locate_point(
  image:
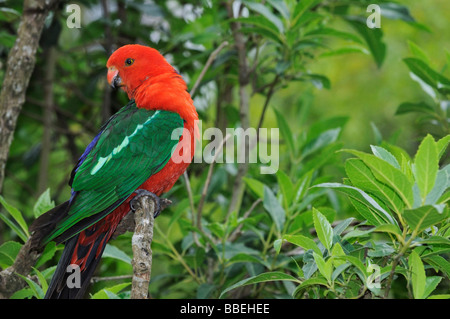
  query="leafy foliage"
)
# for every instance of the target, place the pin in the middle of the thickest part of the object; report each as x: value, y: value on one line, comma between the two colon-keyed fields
x: 367, y: 226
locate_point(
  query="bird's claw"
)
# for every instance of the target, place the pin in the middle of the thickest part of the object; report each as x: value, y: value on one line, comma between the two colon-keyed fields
x: 143, y: 192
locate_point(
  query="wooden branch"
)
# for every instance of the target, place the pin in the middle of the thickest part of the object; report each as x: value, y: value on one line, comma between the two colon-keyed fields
x: 25, y: 260
x: 19, y: 67
x: 244, y: 107
x: 141, y: 245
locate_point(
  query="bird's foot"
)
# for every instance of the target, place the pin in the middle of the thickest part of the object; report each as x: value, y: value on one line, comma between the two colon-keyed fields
x: 143, y: 192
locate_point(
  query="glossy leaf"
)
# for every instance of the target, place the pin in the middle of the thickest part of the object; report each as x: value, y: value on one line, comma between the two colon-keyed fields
x: 373, y: 38
x: 304, y: 242
x: 425, y: 216
x: 418, y: 277
x: 323, y: 229
x: 43, y: 204
x: 374, y: 213
x: 362, y: 177
x: 264, y: 277
x: 384, y: 154
x: 16, y: 214
x: 286, y: 132
x: 389, y: 175
x: 426, y: 165
x: 325, y: 267
x: 421, y: 107
x: 274, y: 208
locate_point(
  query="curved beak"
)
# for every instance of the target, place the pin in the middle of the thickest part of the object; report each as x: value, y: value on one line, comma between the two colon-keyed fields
x: 113, y: 78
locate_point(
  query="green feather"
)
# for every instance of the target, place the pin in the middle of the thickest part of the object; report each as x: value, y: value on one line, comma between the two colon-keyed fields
x: 135, y: 144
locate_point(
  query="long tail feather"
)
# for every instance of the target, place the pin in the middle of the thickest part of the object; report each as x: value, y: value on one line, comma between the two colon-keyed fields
x: 46, y: 223
x: 80, y: 258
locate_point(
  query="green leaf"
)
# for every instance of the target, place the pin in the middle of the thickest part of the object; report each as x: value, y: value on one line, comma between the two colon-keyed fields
x: 329, y: 32
x: 376, y: 132
x: 285, y: 132
x: 41, y: 279
x: 318, y: 80
x: 8, y: 14
x: 440, y: 185
x: 35, y: 288
x: 426, y: 165
x: 264, y: 277
x: 384, y: 154
x: 116, y: 253
x: 339, y: 228
x: 344, y: 50
x: 25, y: 293
x: 16, y: 214
x: 373, y: 38
x: 372, y: 211
x: 323, y: 229
x: 43, y: 204
x: 300, y: 9
x: 362, y: 177
x: 420, y: 107
x: 263, y: 26
x: 418, y: 52
x: 267, y: 13
x: 355, y: 262
x: 392, y: 10
x: 388, y: 228
x: 325, y: 267
x: 49, y: 251
x: 277, y: 245
x: 274, y: 208
x: 304, y: 242
x: 429, y: 76
x: 418, y: 278
x: 442, y: 296
x: 442, y: 145
x: 8, y: 253
x: 324, y: 139
x: 442, y: 200
x: 336, y: 252
x: 14, y: 227
x: 439, y: 262
x: 310, y: 282
x: 389, y: 175
x: 103, y: 294
x: 286, y: 187
x: 255, y: 186
x: 425, y: 216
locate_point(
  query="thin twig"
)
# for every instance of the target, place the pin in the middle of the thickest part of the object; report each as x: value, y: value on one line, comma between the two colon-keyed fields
x: 208, y: 181
x: 237, y: 231
x: 266, y: 103
x: 98, y: 279
x: 208, y: 63
x: 210, y: 60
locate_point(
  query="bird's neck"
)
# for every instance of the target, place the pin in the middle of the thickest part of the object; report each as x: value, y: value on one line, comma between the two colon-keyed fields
x: 166, y: 92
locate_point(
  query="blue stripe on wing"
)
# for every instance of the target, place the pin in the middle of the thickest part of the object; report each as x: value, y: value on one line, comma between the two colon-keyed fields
x: 80, y: 161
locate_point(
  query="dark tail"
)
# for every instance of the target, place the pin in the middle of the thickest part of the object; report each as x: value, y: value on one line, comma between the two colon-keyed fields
x: 81, y: 254
x: 78, y: 262
x: 46, y: 223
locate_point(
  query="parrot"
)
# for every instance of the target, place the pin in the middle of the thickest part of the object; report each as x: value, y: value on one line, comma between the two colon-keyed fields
x: 141, y: 150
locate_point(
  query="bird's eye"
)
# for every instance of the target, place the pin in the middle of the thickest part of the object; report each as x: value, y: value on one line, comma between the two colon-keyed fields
x: 129, y: 61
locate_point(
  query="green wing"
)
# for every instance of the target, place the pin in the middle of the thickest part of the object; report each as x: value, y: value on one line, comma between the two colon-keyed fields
x: 133, y: 145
